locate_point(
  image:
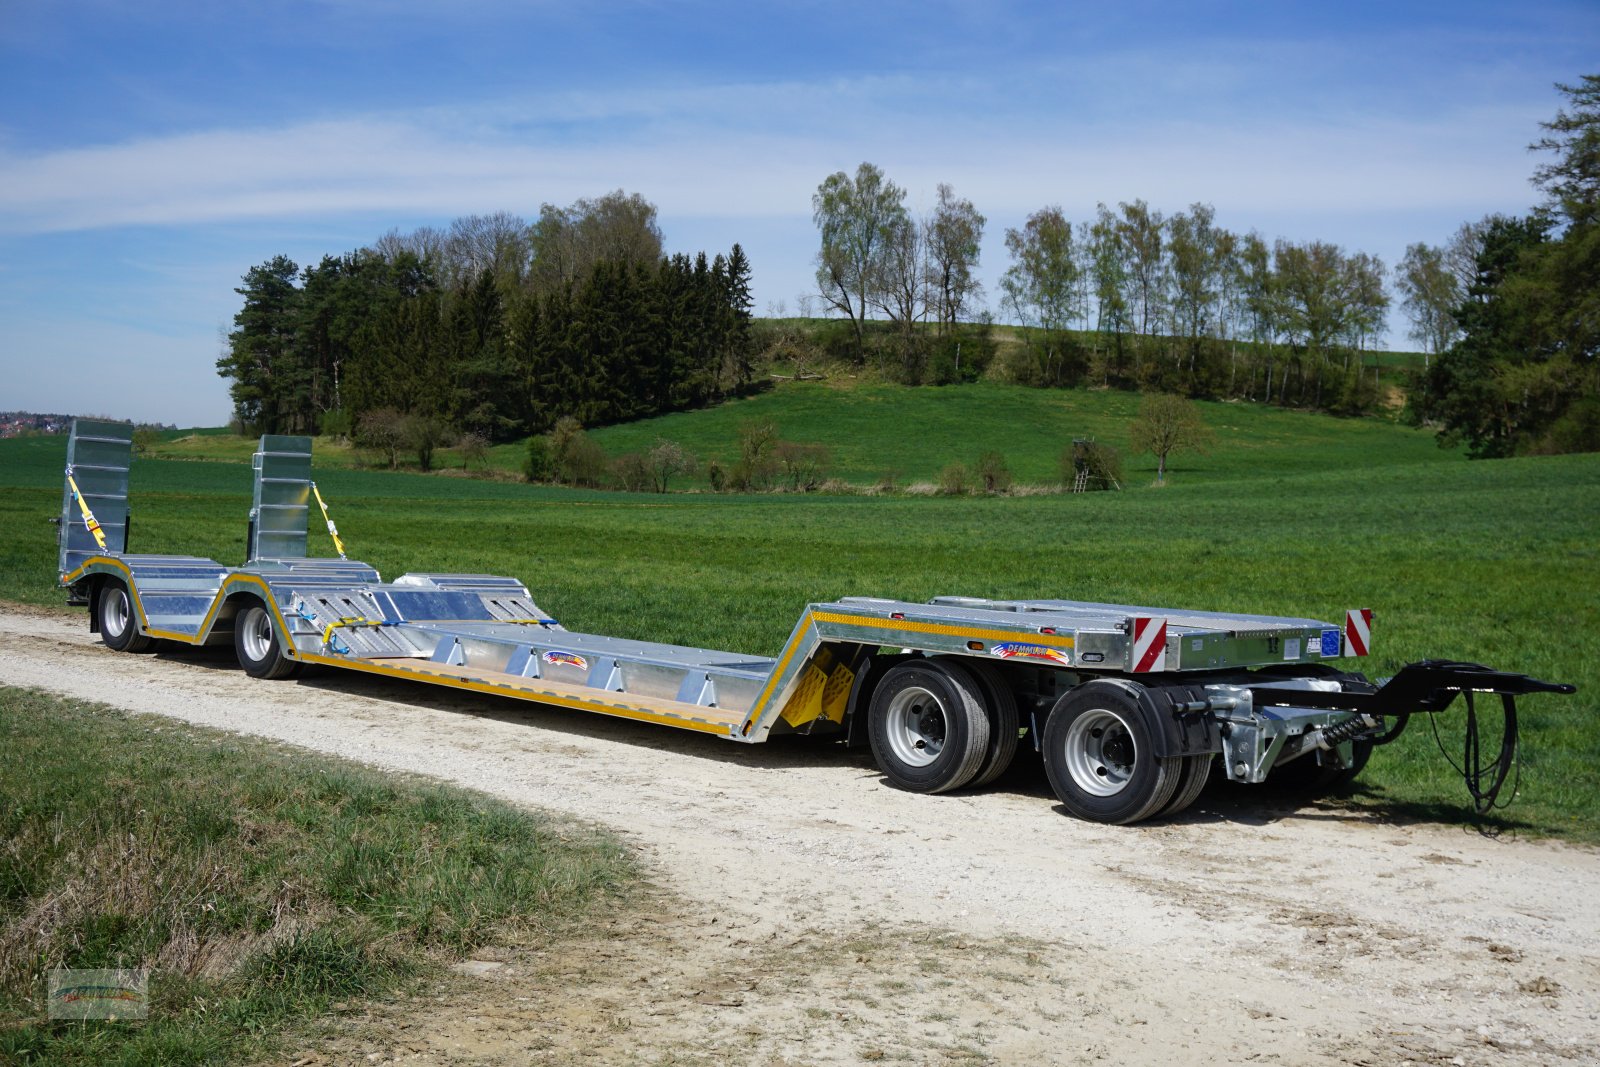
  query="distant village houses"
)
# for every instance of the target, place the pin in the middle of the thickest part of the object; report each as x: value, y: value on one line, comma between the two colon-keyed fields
x: 19, y: 423
x: 25, y: 423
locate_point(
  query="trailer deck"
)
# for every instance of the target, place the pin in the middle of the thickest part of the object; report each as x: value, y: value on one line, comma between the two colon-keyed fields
x: 991, y: 671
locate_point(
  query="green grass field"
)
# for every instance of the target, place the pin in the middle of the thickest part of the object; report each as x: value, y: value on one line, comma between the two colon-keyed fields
x: 877, y: 430
x: 874, y: 430
x: 1293, y: 514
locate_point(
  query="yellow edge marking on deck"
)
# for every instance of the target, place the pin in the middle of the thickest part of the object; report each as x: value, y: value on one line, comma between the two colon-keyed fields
x: 210, y: 617
x: 533, y: 695
x: 621, y: 711
x: 946, y: 630
x: 909, y: 625
x: 536, y: 696
x: 759, y: 707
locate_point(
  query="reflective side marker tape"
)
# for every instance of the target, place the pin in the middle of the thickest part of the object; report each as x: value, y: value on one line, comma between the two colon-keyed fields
x: 90, y: 523
x: 1149, y: 644
x: 1357, y: 631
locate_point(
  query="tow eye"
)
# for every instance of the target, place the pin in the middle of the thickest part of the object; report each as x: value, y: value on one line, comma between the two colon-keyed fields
x: 1430, y: 687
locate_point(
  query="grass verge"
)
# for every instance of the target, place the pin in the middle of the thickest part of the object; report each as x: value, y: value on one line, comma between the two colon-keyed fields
x: 260, y: 887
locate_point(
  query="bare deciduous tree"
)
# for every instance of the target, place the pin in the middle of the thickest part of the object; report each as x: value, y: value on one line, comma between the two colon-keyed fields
x: 857, y: 218
x: 1141, y: 231
x: 903, y: 286
x: 1043, y: 285
x: 566, y: 242
x: 1196, y: 270
x: 954, y: 235
x: 1430, y: 292
x: 426, y: 243
x: 1108, y: 271
x: 496, y: 243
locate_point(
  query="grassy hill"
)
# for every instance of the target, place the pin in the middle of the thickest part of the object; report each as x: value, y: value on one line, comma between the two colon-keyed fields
x: 1294, y: 514
x: 876, y: 430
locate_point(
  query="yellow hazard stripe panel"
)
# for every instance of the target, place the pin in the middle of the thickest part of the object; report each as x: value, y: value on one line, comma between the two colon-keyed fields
x: 623, y: 711
x: 946, y: 630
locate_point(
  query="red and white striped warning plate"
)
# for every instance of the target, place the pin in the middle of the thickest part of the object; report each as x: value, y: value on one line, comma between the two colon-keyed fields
x: 1149, y: 644
x: 1357, y: 631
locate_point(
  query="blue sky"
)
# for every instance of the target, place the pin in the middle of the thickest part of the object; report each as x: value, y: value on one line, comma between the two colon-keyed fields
x: 151, y: 153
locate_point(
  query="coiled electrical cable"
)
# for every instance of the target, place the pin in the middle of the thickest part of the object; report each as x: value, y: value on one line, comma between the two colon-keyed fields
x: 1485, y: 780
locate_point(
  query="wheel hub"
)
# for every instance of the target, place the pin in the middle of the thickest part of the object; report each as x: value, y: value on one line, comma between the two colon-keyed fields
x: 114, y: 619
x: 257, y: 631
x: 916, y: 726
x: 1101, y: 753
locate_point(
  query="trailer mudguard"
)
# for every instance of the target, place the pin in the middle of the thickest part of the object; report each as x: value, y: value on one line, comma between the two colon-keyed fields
x: 1176, y: 728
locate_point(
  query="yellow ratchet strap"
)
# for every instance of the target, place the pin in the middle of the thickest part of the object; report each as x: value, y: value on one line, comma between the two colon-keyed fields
x: 90, y: 523
x: 333, y: 531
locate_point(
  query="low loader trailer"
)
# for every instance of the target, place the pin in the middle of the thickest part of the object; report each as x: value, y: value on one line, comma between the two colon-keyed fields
x: 1133, y: 709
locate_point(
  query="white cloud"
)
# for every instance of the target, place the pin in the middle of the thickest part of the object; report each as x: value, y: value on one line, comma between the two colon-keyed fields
x: 760, y: 150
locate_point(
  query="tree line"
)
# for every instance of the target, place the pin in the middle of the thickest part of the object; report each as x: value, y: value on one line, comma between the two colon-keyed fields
x: 494, y: 327
x: 1130, y: 298
x: 1507, y: 312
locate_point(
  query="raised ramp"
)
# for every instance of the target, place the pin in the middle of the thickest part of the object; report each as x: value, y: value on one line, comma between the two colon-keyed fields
x: 282, y: 500
x: 98, y: 456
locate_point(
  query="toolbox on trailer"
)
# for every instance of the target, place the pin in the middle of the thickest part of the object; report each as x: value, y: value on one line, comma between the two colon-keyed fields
x: 1132, y: 707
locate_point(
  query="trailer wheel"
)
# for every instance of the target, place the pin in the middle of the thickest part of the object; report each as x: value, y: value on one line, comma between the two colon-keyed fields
x: 256, y: 643
x: 1192, y: 779
x: 118, y: 628
x: 1001, y: 707
x: 927, y: 725
x: 1100, y: 759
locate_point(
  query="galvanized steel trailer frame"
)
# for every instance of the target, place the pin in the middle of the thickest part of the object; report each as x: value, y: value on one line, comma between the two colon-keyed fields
x: 1143, y: 700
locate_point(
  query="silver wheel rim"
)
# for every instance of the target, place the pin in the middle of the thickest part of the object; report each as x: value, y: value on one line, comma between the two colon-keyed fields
x: 1101, y: 753
x: 257, y: 634
x: 917, y: 726
x: 114, y: 620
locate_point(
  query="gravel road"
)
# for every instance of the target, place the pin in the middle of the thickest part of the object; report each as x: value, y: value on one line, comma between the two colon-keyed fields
x: 811, y: 914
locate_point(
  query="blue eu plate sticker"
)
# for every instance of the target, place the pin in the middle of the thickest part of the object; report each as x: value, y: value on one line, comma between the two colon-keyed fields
x: 1330, y: 643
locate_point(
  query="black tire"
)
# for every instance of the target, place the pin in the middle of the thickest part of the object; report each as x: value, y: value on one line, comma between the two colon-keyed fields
x: 927, y: 726
x: 1001, y: 707
x: 256, y: 643
x: 114, y: 614
x: 1308, y: 778
x: 1100, y: 758
x: 1192, y: 779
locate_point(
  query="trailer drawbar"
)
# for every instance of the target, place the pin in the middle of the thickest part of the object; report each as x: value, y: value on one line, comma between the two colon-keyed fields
x: 1133, y: 709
